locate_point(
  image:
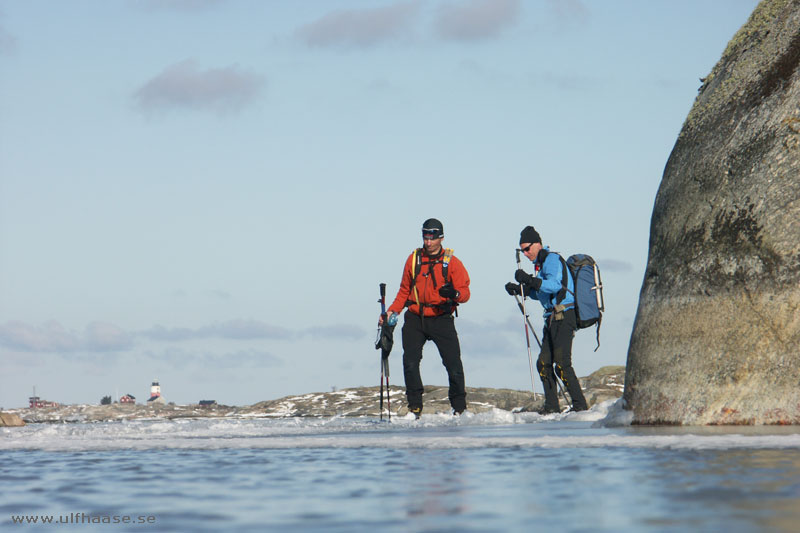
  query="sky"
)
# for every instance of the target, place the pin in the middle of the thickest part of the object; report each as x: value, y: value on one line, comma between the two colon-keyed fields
x: 209, y: 192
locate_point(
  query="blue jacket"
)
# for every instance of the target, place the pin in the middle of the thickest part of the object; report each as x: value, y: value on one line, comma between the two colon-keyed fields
x: 550, y: 272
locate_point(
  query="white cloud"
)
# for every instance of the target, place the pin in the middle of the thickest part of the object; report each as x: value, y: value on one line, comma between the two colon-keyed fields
x: 361, y: 27
x: 105, y: 337
x: 185, y: 86
x: 48, y: 337
x: 52, y: 337
x: 476, y: 19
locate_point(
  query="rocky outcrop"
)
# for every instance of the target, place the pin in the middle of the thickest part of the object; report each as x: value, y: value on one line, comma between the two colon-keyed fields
x: 604, y: 384
x: 10, y: 420
x: 716, y: 338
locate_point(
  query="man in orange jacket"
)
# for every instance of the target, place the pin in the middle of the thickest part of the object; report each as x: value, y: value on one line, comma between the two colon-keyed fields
x: 434, y: 283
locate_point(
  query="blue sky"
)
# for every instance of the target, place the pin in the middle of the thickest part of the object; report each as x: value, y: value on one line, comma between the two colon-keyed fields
x: 209, y: 192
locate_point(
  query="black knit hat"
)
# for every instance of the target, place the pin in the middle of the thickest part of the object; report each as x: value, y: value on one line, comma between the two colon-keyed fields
x: 529, y: 235
x: 433, y: 227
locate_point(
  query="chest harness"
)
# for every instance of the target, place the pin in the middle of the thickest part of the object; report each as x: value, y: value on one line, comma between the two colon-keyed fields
x: 417, y: 265
x: 557, y: 309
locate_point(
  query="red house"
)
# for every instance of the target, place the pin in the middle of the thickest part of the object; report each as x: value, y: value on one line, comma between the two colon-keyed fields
x: 128, y: 398
x: 35, y: 402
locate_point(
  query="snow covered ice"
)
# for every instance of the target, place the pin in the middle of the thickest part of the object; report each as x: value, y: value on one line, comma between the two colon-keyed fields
x: 604, y: 425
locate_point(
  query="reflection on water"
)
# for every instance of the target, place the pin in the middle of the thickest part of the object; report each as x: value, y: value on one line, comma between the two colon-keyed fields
x: 750, y: 489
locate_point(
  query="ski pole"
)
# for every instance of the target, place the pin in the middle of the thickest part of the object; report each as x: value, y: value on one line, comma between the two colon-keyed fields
x: 383, y: 334
x: 525, y: 323
x: 382, y: 301
x: 385, y: 363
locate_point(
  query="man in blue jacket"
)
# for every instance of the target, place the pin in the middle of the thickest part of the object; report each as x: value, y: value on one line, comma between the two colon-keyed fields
x: 558, y: 300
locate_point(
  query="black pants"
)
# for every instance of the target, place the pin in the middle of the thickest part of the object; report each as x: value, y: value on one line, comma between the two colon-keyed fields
x: 442, y: 331
x: 556, y: 357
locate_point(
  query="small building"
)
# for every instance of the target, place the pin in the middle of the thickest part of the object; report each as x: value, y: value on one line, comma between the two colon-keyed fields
x: 35, y: 403
x: 128, y: 398
x: 208, y: 403
x: 155, y: 393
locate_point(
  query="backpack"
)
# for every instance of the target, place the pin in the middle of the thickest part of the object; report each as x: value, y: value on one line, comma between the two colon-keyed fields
x: 589, y: 303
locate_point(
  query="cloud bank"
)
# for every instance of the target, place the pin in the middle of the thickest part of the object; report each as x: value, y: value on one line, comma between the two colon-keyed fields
x: 105, y: 337
x: 52, y: 337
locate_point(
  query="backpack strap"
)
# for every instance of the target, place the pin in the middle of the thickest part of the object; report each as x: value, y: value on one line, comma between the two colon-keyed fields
x: 597, y: 331
x: 560, y: 295
x: 448, y: 254
x: 416, y: 263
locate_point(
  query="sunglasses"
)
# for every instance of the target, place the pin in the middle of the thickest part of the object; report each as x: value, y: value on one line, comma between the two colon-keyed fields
x: 430, y: 237
x: 525, y: 250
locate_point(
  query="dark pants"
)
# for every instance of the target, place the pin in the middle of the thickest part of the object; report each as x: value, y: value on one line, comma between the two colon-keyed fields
x: 442, y: 331
x: 556, y: 359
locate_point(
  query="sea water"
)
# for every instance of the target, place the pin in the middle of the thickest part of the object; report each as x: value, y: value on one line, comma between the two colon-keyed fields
x: 495, y: 471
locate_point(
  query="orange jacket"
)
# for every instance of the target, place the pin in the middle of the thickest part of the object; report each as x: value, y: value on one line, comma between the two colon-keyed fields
x: 427, y: 286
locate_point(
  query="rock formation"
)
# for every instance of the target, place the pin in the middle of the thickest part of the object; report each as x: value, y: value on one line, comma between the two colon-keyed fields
x: 10, y: 420
x: 717, y: 333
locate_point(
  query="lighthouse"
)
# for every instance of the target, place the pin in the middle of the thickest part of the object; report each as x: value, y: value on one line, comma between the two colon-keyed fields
x: 155, y: 393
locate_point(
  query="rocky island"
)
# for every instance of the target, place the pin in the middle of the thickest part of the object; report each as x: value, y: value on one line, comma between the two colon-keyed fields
x: 603, y: 384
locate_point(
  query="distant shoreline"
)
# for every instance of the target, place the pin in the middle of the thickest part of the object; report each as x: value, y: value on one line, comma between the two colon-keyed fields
x: 603, y: 384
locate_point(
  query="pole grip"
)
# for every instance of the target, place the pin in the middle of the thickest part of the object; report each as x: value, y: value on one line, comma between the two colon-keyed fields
x: 383, y: 299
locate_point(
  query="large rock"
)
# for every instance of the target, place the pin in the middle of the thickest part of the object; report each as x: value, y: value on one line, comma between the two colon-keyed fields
x: 717, y: 334
x: 10, y: 420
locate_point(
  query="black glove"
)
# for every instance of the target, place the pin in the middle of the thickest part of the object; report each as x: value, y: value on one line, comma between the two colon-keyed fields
x: 516, y: 289
x: 448, y: 291
x: 532, y: 282
x: 513, y: 289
